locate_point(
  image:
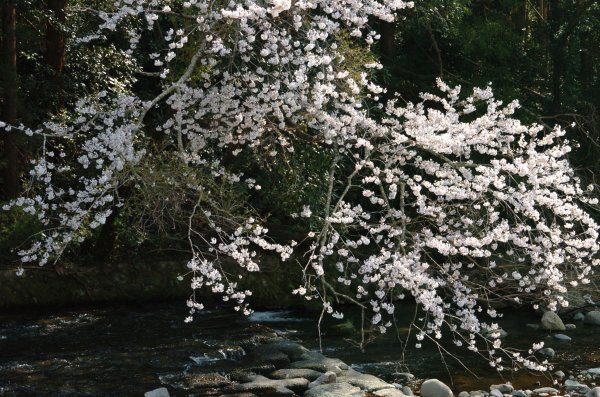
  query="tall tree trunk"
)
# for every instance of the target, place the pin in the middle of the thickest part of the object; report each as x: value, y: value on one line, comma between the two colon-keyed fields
x: 55, y: 36
x: 557, y: 55
x: 387, y: 42
x: 10, y: 92
x: 387, y: 50
x: 586, y: 73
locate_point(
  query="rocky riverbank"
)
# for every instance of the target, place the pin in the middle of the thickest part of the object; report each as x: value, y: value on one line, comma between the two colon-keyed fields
x: 270, y: 365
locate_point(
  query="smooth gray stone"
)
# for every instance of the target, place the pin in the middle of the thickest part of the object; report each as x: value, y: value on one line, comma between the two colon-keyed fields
x: 160, y: 392
x: 552, y: 322
x: 572, y: 385
x: 547, y: 351
x: 592, y: 317
x: 562, y: 338
x: 547, y: 390
x: 503, y: 388
x: 496, y: 393
x: 389, y: 393
x: 464, y: 394
x: 519, y: 393
x: 287, y: 373
x: 595, y: 392
x: 593, y: 371
x: 327, y: 377
x: 364, y: 381
x: 559, y: 374
x: 570, y: 326
x: 319, y: 362
x: 259, y: 383
x: 335, y: 390
x: 435, y: 388
x: 407, y: 390
x: 579, y: 317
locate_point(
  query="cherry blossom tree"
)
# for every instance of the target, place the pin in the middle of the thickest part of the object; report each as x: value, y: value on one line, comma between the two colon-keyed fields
x: 451, y: 200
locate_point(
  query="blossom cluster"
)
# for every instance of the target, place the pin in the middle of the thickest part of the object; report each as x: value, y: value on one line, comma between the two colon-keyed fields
x: 451, y: 200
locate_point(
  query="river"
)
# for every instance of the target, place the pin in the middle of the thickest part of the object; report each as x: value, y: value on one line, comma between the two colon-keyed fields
x: 127, y: 350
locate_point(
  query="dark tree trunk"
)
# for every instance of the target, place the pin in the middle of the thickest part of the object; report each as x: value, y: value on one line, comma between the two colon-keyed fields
x: 586, y: 73
x: 387, y: 51
x: 105, y: 244
x: 55, y: 36
x: 557, y: 55
x: 387, y: 42
x: 10, y: 91
x: 520, y: 19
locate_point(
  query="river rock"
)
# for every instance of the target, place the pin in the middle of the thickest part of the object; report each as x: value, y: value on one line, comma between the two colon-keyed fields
x: 559, y: 374
x: 435, y: 388
x: 551, y: 322
x: 547, y: 352
x: 503, y: 388
x: 327, y: 377
x: 562, y: 338
x: 533, y: 326
x: 207, y: 380
x: 404, y: 376
x: 496, y: 393
x: 593, y: 371
x: 573, y: 385
x: 364, y: 381
x: 592, y: 317
x: 407, y: 391
x: 318, y: 362
x: 570, y: 326
x: 279, y: 353
x: 464, y: 394
x: 389, y: 393
x: 335, y: 390
x: 519, y: 393
x: 160, y: 392
x: 595, y: 392
x: 294, y: 350
x: 235, y: 353
x: 579, y: 317
x: 259, y: 383
x: 546, y: 390
x: 287, y: 373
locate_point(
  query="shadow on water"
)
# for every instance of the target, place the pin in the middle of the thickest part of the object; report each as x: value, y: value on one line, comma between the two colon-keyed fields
x: 124, y: 350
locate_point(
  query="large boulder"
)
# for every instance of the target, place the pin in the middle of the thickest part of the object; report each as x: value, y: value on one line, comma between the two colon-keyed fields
x: 318, y: 362
x: 592, y: 317
x: 366, y: 382
x: 287, y: 373
x: 327, y: 377
x: 261, y: 384
x: 551, y: 322
x: 335, y: 390
x: 435, y: 388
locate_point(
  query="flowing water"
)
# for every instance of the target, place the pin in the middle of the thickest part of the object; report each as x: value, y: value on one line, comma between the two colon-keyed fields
x: 125, y: 351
